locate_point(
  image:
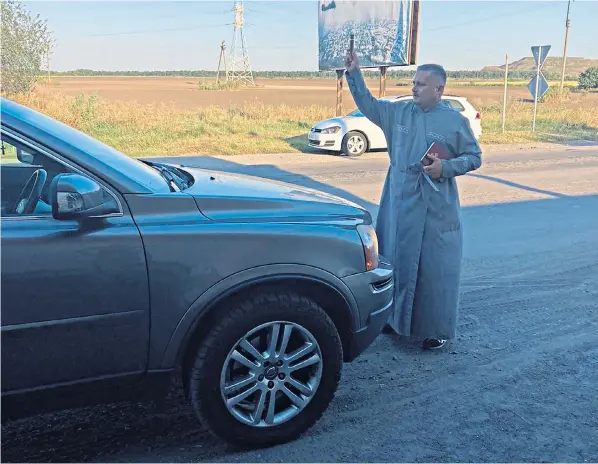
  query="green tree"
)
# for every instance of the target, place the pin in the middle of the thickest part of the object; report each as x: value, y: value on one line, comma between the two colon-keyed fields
x: 589, y: 78
x: 26, y: 47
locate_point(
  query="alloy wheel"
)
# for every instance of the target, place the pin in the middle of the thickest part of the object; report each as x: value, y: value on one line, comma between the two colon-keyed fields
x: 271, y: 374
x: 355, y: 144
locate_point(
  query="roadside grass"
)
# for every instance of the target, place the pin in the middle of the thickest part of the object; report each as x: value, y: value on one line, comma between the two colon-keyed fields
x: 162, y: 129
x: 560, y: 118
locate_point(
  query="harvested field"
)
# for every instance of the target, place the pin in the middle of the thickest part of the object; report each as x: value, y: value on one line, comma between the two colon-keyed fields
x: 185, y: 94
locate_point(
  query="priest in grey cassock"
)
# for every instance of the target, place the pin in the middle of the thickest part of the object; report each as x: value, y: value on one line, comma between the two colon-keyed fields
x: 419, y: 219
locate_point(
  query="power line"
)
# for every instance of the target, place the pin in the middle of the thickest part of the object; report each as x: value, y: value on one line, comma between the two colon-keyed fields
x: 488, y: 18
x: 151, y: 31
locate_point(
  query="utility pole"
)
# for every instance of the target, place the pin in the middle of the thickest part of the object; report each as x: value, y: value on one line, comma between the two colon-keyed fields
x: 504, y: 103
x: 567, y: 25
x: 222, y: 56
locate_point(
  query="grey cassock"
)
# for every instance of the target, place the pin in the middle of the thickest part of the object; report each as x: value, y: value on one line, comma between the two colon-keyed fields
x: 418, y: 226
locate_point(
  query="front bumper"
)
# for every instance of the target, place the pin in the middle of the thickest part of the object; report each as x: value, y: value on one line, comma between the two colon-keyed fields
x: 374, y: 293
x: 325, y: 141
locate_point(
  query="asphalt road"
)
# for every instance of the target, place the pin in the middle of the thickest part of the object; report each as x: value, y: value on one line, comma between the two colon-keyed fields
x: 520, y: 383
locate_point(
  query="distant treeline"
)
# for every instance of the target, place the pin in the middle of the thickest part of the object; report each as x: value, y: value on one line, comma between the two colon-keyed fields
x: 391, y: 74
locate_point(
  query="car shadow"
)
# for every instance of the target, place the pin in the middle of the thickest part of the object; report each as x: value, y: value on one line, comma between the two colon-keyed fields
x: 170, y: 432
x: 299, y: 142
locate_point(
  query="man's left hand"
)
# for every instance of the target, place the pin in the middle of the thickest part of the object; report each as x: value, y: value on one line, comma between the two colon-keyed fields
x: 434, y: 170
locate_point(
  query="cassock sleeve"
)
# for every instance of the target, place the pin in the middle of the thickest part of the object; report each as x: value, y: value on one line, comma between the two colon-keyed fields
x: 380, y: 112
x: 469, y: 156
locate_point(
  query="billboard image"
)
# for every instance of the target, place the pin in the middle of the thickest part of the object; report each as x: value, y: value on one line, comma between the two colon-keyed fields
x: 382, y: 32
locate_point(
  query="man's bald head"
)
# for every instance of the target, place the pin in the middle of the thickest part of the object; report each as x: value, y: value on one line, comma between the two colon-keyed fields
x: 428, y: 85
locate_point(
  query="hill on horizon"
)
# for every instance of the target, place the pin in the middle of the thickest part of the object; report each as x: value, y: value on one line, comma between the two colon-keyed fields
x: 574, y: 67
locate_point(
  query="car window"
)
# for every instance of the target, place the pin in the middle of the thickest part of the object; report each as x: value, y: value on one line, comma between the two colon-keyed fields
x: 19, y: 168
x: 455, y: 104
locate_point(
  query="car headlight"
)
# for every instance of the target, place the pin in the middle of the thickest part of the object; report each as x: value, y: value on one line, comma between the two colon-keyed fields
x: 369, y: 239
x: 331, y: 130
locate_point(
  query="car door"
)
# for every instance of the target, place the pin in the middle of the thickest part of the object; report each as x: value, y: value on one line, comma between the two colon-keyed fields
x: 75, y: 303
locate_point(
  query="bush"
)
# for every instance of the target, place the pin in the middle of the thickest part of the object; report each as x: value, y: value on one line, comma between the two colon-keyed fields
x: 589, y: 78
x: 556, y: 95
x: 26, y: 43
x: 222, y: 85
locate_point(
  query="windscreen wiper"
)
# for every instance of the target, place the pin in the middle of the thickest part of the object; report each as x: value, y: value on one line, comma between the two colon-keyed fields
x: 167, y: 175
x: 170, y: 179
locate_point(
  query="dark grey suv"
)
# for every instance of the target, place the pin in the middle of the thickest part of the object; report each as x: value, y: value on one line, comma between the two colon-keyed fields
x: 117, y: 273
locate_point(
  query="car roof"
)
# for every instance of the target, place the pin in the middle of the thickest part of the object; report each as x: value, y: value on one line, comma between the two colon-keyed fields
x: 445, y: 96
x: 74, y: 145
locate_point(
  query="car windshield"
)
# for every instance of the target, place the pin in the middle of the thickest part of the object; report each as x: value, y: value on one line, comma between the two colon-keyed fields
x: 356, y: 113
x: 145, y: 175
x: 140, y: 172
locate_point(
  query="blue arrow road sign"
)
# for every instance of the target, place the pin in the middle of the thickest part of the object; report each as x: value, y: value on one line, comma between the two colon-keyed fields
x: 542, y: 86
x: 540, y: 53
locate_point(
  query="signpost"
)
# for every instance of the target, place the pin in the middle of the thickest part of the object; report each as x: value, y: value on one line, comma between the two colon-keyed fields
x: 504, y: 102
x: 538, y: 86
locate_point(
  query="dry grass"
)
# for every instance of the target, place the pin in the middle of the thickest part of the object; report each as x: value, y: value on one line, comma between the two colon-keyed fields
x: 560, y: 117
x: 226, y: 86
x: 163, y: 129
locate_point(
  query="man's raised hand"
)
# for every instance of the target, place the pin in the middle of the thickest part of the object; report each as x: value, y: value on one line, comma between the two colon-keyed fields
x: 351, y: 61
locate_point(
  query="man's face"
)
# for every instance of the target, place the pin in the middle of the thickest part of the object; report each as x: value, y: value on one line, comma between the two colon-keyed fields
x: 427, y: 89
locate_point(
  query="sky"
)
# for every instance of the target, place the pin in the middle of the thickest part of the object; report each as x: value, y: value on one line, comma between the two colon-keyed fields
x: 282, y: 35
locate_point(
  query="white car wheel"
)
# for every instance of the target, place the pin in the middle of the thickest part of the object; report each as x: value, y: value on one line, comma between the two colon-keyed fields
x: 354, y: 144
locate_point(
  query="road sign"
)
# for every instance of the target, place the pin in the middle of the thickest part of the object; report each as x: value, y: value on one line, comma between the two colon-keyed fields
x: 542, y: 86
x: 540, y: 53
x: 538, y: 85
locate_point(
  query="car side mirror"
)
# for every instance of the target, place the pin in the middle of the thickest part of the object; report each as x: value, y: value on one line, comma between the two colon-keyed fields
x: 26, y: 158
x: 74, y: 196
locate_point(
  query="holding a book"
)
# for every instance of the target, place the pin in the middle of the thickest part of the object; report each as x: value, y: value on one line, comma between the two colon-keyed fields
x: 419, y: 220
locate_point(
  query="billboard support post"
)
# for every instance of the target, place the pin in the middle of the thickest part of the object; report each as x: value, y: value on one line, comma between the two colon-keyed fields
x: 382, y: 91
x: 340, y: 73
x: 414, y: 38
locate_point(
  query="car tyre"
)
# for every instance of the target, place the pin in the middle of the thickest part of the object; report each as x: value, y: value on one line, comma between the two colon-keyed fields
x: 252, y: 319
x: 354, y: 144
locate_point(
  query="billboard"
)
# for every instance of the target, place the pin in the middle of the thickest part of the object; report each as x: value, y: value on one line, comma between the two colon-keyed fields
x: 383, y: 32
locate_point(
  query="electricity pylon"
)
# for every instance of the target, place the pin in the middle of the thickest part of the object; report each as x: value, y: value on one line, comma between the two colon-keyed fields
x: 239, y: 68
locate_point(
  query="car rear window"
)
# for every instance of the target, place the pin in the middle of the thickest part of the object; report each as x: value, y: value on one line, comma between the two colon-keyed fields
x: 455, y: 104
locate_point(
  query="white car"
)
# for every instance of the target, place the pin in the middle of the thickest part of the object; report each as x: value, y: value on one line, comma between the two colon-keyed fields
x: 355, y: 134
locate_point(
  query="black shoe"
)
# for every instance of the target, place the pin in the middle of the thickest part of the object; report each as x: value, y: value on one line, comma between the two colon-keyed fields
x: 388, y: 330
x: 433, y: 344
